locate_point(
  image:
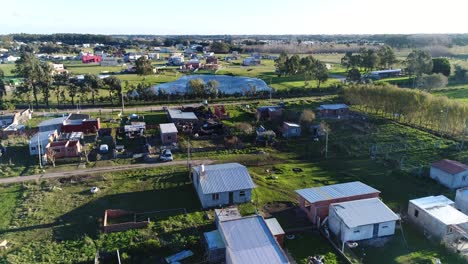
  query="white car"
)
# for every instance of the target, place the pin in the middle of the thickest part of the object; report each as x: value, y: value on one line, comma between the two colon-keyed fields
x: 166, y: 155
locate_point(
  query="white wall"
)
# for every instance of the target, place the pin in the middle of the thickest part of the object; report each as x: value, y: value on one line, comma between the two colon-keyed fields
x: 426, y: 222
x: 449, y: 180
x: 461, y: 201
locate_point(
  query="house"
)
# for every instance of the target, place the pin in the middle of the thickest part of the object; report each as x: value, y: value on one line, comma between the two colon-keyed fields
x: 333, y: 110
x: 9, y: 59
x: 222, y: 184
x: 109, y: 61
x: 81, y: 123
x: 270, y: 112
x: 251, y: 61
x: 135, y: 129
x: 176, y: 115
x: 461, y: 200
x: 176, y: 60
x: 65, y: 149
x: 193, y: 64
x: 244, y: 240
x: 153, y: 56
x: 315, y: 201
x: 40, y: 140
x: 168, y: 133
x: 361, y: 219
x: 14, y: 119
x: 377, y: 75
x: 211, y: 60
x: 220, y: 112
x: 276, y: 230
x: 52, y: 124
x: 450, y: 173
x: 58, y: 69
x: 291, y: 130
x: 89, y: 58
x: 438, y: 218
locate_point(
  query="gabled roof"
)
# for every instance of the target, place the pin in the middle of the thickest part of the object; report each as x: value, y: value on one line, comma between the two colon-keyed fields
x: 274, y: 226
x: 42, y: 136
x: 224, y: 178
x: 364, y: 212
x: 441, y: 208
x: 249, y: 241
x: 53, y: 121
x: 178, y: 114
x: 336, y: 191
x: 332, y: 106
x: 450, y: 166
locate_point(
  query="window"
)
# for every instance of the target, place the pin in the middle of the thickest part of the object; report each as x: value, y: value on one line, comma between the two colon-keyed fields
x: 215, y: 196
x: 33, y: 148
x: 416, y: 213
x: 384, y: 227
x: 56, y: 150
x: 449, y: 230
x: 357, y: 231
x: 242, y: 193
x: 169, y: 137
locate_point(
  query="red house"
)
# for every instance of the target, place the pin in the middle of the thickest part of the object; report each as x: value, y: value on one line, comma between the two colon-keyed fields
x: 87, y: 126
x: 333, y: 110
x: 91, y: 58
x: 315, y: 201
x: 65, y: 149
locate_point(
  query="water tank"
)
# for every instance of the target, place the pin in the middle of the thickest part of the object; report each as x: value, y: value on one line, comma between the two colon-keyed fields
x: 461, y: 200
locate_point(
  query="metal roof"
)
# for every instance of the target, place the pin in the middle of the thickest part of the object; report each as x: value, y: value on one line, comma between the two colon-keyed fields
x: 364, y: 212
x: 292, y: 124
x: 249, y: 241
x: 333, y: 106
x: 441, y: 208
x: 336, y: 191
x: 168, y: 128
x: 450, y: 166
x: 274, y: 226
x: 386, y: 71
x: 178, y: 114
x: 224, y: 178
x: 214, y: 240
x: 53, y: 121
x: 42, y: 136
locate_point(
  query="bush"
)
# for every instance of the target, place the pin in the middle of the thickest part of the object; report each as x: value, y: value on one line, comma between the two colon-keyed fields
x: 430, y: 81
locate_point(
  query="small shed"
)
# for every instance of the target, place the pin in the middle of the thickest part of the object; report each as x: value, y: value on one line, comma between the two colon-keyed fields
x: 168, y: 133
x: 291, y: 130
x: 461, y: 200
x: 215, y: 247
x: 176, y: 115
x: 276, y: 230
x: 315, y: 201
x: 361, y: 219
x: 333, y: 110
x: 270, y: 112
x: 450, y: 173
x: 135, y: 129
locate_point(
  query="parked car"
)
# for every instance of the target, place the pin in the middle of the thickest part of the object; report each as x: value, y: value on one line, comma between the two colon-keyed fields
x: 166, y: 155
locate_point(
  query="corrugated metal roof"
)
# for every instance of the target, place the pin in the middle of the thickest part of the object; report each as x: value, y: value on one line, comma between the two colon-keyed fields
x: 450, y: 166
x: 214, y: 240
x: 333, y: 106
x: 42, y: 135
x: 335, y: 191
x: 53, y: 121
x: 441, y: 208
x: 249, y: 241
x: 364, y: 212
x: 178, y: 114
x: 292, y: 124
x: 224, y: 178
x: 168, y: 128
x: 274, y: 226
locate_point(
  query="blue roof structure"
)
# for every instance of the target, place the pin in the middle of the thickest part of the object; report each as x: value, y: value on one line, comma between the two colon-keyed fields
x: 224, y: 178
x: 53, y: 121
x: 249, y: 241
x: 214, y: 240
x: 336, y: 191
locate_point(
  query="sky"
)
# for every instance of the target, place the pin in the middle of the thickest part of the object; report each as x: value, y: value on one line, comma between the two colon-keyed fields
x: 202, y: 17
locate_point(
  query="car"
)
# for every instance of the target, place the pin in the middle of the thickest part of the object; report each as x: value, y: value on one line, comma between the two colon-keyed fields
x: 166, y: 155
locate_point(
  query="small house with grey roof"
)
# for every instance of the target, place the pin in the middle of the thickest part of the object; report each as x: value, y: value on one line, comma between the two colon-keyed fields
x: 222, y: 184
x: 450, y: 173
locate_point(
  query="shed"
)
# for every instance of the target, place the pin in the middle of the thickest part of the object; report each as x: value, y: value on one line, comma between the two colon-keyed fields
x: 215, y: 246
x: 333, y: 110
x: 461, y: 200
x: 437, y: 217
x: 450, y: 173
x: 361, y: 219
x: 222, y: 184
x: 291, y: 130
x: 168, y: 133
x: 276, y: 230
x: 249, y: 241
x: 270, y: 112
x: 315, y: 201
x: 176, y: 115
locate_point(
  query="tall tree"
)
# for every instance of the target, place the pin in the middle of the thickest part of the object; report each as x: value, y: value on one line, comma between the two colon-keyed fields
x: 293, y: 65
x: 387, y: 57
x: 143, y: 66
x: 28, y: 67
x: 346, y: 60
x: 114, y: 84
x: 45, y: 81
x: 196, y: 87
x: 61, y: 80
x: 73, y: 89
x: 419, y: 62
x: 321, y: 73
x: 369, y: 59
x: 91, y: 84
x: 280, y: 64
x: 441, y: 65
x: 213, y: 88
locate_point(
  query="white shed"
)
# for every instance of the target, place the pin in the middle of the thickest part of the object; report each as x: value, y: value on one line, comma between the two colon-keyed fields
x: 450, y: 173
x: 461, y: 200
x: 361, y: 219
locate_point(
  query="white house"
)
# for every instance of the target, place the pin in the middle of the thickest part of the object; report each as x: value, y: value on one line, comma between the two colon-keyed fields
x: 461, y: 200
x: 41, y: 140
x: 222, y: 184
x: 109, y: 61
x: 52, y: 124
x: 438, y: 218
x: 361, y: 219
x: 452, y: 174
x: 251, y: 61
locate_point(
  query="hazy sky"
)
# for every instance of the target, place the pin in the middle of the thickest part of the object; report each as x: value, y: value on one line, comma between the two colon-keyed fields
x: 234, y: 17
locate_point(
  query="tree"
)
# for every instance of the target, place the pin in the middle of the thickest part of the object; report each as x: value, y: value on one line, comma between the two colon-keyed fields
x: 73, y: 90
x: 430, y: 81
x: 387, y: 57
x: 307, y: 117
x: 308, y: 68
x: 347, y: 59
x: 91, y: 83
x: 213, y: 88
x: 2, y: 91
x: 2, y: 74
x: 219, y: 47
x: 321, y: 73
x: 143, y: 66
x: 354, y: 75
x: 59, y: 81
x: 280, y: 64
x: 441, y: 65
x: 419, y: 62
x: 196, y: 87
x: 293, y: 65
x: 461, y: 73
x: 46, y: 80
x: 369, y: 59
x: 51, y: 156
x: 114, y: 84
x: 325, y: 128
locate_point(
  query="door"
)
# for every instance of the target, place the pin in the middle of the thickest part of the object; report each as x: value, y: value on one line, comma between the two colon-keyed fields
x: 376, y: 231
x: 231, y: 197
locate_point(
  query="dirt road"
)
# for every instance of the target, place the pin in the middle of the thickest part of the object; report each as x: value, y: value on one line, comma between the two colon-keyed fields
x: 91, y: 171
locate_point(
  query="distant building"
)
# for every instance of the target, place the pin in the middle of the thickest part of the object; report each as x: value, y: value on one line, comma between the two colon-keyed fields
x: 333, y: 110
x: 40, y: 140
x: 315, y: 201
x: 270, y: 112
x: 222, y: 184
x: 361, y: 220
x: 168, y: 133
x: 58, y: 69
x: 438, y: 218
x: 452, y: 174
x: 153, y: 56
x: 251, y: 61
x: 385, y: 74
x: 291, y: 130
x: 89, y: 58
x: 109, y: 61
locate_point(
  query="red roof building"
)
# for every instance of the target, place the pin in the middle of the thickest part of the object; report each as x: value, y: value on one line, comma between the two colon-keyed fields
x: 86, y: 126
x: 450, y: 173
x: 91, y: 58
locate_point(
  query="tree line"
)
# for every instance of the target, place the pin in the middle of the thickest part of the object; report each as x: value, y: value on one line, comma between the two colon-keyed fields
x: 414, y: 107
x: 309, y: 67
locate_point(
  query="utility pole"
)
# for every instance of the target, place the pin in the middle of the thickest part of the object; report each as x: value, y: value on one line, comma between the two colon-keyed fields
x: 122, y: 98
x: 326, y: 145
x: 39, y: 150
x: 188, y: 154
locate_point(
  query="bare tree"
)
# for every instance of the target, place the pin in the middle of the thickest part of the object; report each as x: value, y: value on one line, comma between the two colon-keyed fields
x: 325, y: 128
x: 51, y: 155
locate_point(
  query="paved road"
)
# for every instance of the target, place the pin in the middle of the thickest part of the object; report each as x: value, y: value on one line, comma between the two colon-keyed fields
x: 89, y: 171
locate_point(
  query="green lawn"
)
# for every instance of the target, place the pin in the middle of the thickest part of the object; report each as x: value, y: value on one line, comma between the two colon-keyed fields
x: 457, y: 92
